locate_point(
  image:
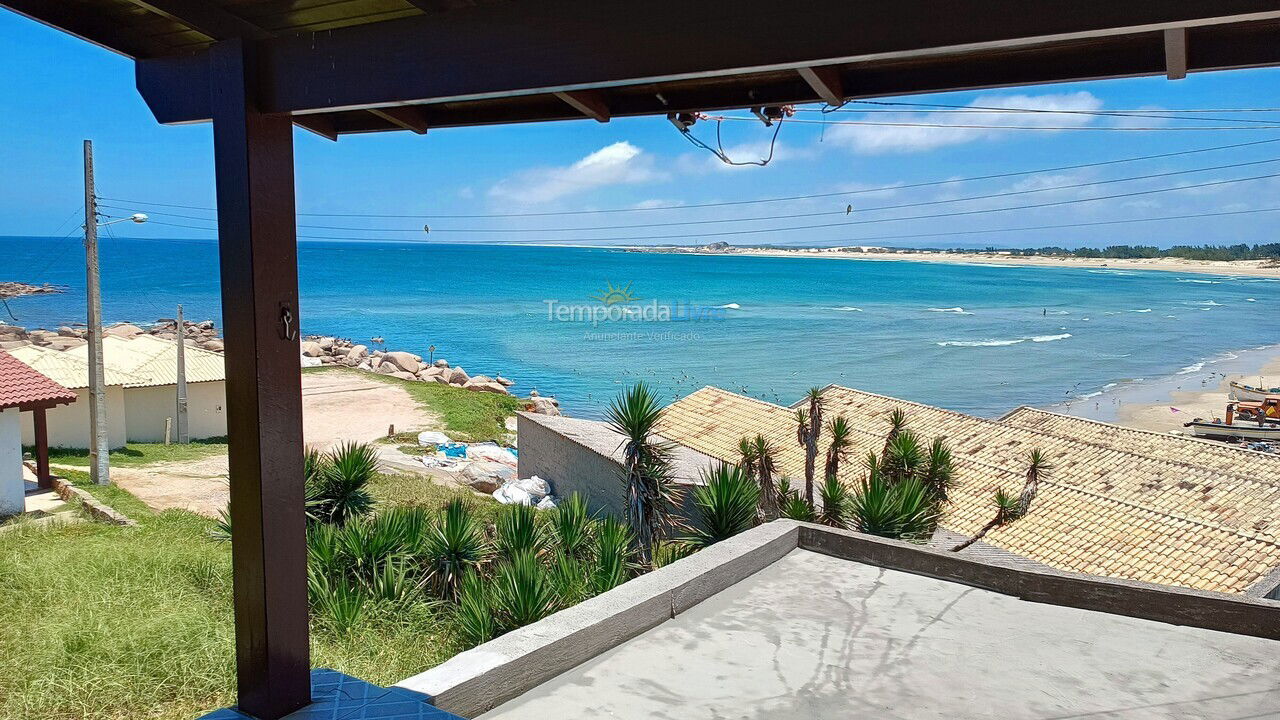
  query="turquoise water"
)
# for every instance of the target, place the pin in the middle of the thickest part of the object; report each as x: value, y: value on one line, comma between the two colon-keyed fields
x: 969, y: 337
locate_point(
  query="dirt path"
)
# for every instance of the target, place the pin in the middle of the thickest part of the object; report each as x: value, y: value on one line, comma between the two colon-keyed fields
x: 335, y: 407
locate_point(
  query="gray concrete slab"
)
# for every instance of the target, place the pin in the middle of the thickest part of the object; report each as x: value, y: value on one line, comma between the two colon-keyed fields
x: 814, y: 636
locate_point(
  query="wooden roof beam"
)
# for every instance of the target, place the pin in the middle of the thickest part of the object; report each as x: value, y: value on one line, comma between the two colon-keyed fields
x: 407, y: 117
x: 588, y: 102
x: 825, y: 81
x: 1175, y: 53
x: 205, y: 18
x: 318, y: 124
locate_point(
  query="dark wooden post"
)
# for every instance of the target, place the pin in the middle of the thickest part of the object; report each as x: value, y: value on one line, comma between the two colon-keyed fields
x: 41, y: 427
x: 253, y: 154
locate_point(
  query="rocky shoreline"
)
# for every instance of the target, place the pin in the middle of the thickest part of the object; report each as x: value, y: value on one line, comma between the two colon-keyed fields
x: 315, y: 351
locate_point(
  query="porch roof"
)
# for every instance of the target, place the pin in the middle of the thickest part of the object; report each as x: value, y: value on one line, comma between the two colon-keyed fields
x: 26, y: 388
x: 373, y: 65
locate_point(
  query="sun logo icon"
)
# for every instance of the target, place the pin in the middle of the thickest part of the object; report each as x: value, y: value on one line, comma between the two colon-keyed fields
x: 615, y: 295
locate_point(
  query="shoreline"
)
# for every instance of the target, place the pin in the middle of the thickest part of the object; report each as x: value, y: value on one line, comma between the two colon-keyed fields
x: 1165, y: 403
x: 1251, y: 268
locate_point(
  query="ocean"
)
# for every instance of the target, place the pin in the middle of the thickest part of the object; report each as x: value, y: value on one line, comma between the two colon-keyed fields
x: 582, y: 323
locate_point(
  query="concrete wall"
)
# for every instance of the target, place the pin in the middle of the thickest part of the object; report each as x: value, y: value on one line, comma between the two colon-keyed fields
x: 12, y: 492
x: 147, y: 408
x: 69, y: 424
x: 571, y: 468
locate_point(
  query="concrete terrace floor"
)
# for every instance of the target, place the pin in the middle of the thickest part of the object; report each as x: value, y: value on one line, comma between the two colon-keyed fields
x: 813, y: 636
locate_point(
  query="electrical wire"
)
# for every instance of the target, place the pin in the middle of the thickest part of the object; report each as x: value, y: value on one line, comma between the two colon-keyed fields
x: 786, y: 216
x: 966, y: 126
x: 814, y: 226
x: 720, y: 153
x: 733, y: 203
x: 984, y: 109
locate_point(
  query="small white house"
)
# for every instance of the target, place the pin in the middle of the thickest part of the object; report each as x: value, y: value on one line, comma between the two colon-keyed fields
x: 141, y: 391
x: 23, y: 389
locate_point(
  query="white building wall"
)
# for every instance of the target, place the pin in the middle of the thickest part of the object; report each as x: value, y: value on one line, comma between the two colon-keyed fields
x: 69, y: 424
x: 146, y: 410
x: 12, y: 493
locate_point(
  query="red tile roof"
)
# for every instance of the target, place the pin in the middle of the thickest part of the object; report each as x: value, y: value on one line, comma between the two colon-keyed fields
x: 22, y: 386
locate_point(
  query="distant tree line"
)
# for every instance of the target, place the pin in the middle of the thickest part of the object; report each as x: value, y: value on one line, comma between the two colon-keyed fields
x: 1189, y: 252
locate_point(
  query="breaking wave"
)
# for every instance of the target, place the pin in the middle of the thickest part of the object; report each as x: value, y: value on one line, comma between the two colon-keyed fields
x: 956, y: 310
x: 1002, y: 343
x: 729, y: 306
x: 846, y: 308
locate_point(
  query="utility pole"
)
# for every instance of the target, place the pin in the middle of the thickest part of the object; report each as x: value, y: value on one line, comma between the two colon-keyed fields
x: 184, y: 436
x: 99, y: 452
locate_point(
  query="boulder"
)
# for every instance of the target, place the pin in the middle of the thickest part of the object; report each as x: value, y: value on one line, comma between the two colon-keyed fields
x: 431, y: 371
x: 401, y: 374
x: 407, y: 362
x: 206, y: 325
x: 214, y: 345
x: 65, y: 331
x: 11, y: 344
x: 441, y: 363
x: 325, y: 343
x: 311, y: 349
x: 356, y: 355
x: 41, y: 337
x: 387, y: 368
x: 124, y: 330
x: 458, y: 376
x: 438, y: 379
x: 544, y: 406
x: 481, y: 378
x: 339, y: 351
x: 328, y: 359
x: 504, y: 382
x: 486, y: 476
x: 491, y: 387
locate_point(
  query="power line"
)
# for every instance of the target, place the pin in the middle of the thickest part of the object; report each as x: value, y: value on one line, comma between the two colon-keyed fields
x: 957, y: 126
x: 786, y: 216
x: 731, y: 203
x: 814, y: 226
x: 938, y: 107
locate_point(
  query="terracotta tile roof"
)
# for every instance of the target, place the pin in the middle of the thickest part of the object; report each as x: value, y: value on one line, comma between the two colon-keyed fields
x: 1154, y: 510
x: 22, y: 386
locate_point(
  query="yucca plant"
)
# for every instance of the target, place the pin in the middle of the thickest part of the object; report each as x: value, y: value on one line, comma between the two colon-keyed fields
x: 473, y: 615
x: 747, y: 455
x: 612, y: 553
x: 902, y: 510
x: 897, y: 419
x: 336, y: 482
x: 794, y: 507
x: 725, y: 505
x: 570, y: 578
x: 572, y: 526
x: 939, y: 469
x: 522, y: 591
x: 335, y: 603
x: 517, y: 530
x: 1008, y: 508
x: 841, y: 439
x: 650, y: 489
x: 835, y: 502
x: 904, y: 457
x: 668, y: 552
x: 808, y: 428
x: 222, y: 526
x: 452, y: 545
x: 762, y: 452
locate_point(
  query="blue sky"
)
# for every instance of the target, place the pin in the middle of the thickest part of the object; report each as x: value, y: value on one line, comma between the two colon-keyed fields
x: 59, y: 91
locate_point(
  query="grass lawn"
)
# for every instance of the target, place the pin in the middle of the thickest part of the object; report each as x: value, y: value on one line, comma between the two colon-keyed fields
x: 141, y: 454
x: 107, y: 622
x: 468, y: 416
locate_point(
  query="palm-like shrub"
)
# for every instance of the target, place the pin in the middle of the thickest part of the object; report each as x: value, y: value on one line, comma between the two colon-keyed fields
x: 571, y: 526
x: 336, y: 482
x: 473, y: 617
x: 1008, y: 508
x: 724, y: 506
x: 650, y: 490
x: 904, y: 457
x: 841, y: 439
x: 762, y: 452
x: 835, y: 502
x: 808, y: 427
x: 939, y: 469
x: 522, y: 591
x: 518, y: 531
x: 903, y: 509
x: 452, y: 545
x: 612, y: 552
x: 897, y: 420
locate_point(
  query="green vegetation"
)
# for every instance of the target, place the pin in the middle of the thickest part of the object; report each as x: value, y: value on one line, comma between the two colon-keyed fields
x: 1241, y: 251
x: 142, y: 454
x: 106, y: 622
x: 468, y: 416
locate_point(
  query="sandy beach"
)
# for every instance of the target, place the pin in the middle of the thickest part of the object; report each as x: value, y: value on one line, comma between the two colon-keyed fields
x: 1182, y: 406
x: 1252, y: 268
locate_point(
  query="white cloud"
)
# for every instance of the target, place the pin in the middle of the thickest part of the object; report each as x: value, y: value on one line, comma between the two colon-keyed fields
x: 618, y: 164
x: 655, y: 203
x: 906, y: 138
